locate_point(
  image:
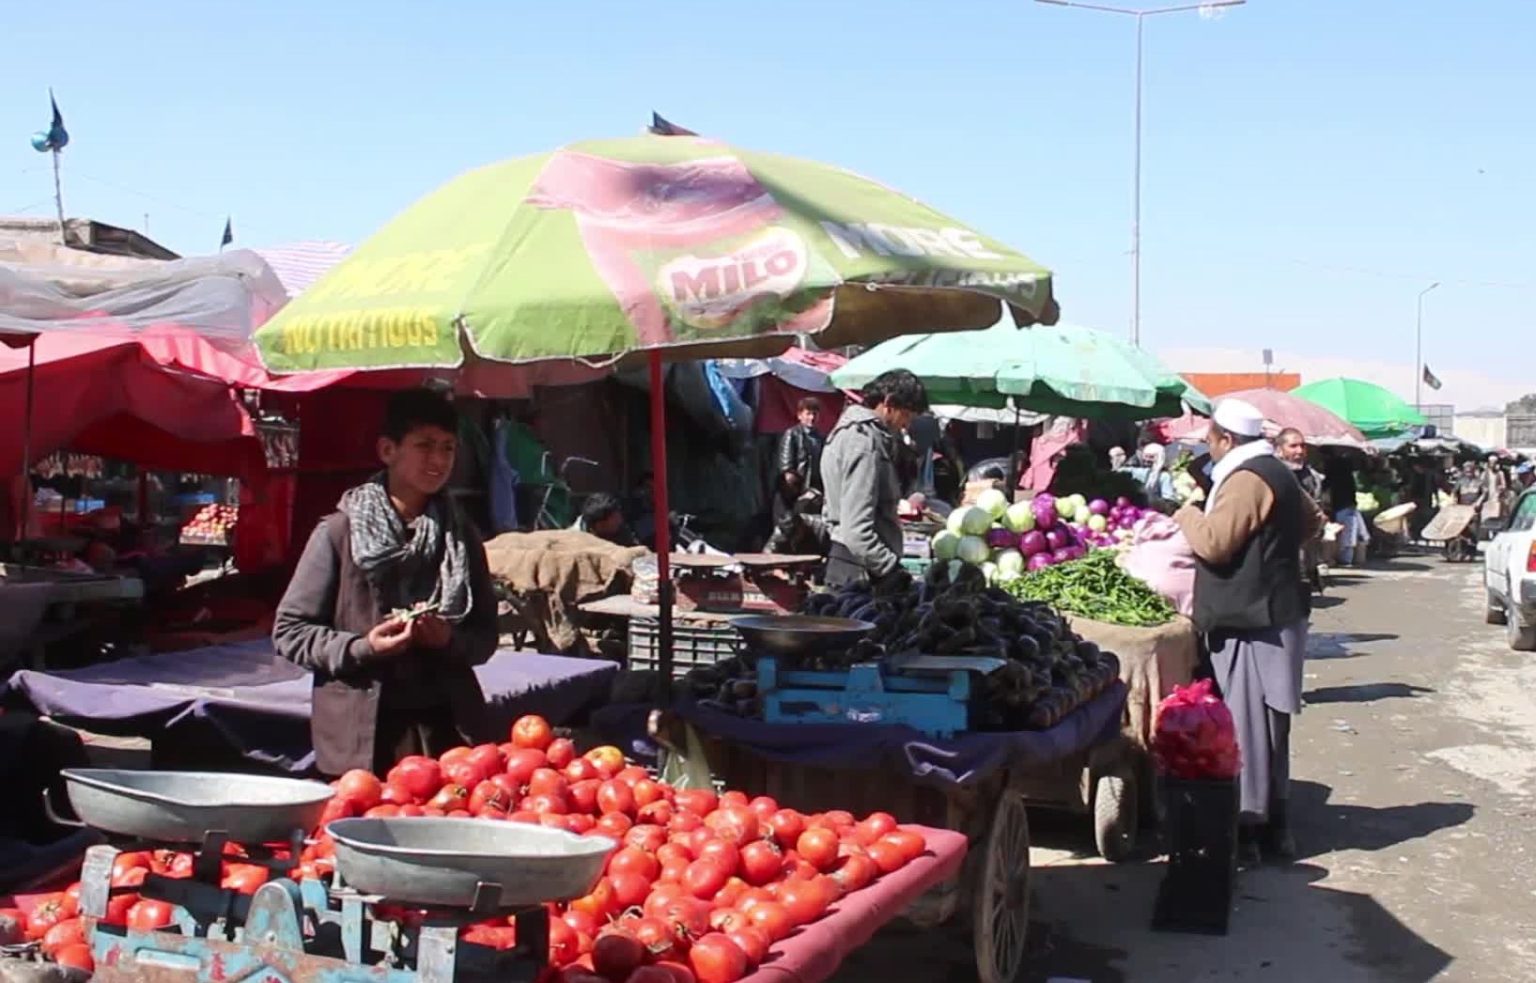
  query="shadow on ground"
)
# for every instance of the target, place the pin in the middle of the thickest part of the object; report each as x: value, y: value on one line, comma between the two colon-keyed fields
x: 1337, y: 645
x: 1364, y: 693
x: 1323, y: 827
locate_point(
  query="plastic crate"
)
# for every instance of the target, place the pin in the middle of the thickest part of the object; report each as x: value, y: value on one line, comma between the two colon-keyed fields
x: 692, y: 645
x: 1200, y: 830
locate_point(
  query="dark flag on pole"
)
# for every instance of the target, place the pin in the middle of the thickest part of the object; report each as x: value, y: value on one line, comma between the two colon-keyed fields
x: 58, y: 137
x: 666, y: 128
x: 229, y: 234
x: 1430, y: 379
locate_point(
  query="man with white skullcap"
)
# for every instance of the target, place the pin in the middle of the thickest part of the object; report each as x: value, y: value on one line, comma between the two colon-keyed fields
x: 1251, y: 603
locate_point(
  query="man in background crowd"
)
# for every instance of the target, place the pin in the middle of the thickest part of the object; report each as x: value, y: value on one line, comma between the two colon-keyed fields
x: 800, y: 450
x: 602, y: 515
x: 864, y: 485
x: 1291, y: 446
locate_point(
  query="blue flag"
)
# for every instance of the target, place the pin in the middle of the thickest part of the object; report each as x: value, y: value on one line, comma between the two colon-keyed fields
x: 58, y: 137
x: 229, y: 234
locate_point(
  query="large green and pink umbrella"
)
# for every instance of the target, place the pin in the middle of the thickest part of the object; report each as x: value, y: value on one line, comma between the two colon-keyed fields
x: 677, y: 246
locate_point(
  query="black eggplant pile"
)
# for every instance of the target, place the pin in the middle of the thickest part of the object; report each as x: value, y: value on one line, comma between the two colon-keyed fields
x: 1047, y: 673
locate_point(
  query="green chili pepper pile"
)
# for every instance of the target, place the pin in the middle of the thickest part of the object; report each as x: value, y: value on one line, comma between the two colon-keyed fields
x: 1095, y: 587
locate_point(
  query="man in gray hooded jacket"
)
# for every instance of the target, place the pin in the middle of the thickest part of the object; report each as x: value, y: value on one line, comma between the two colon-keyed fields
x: 863, y: 486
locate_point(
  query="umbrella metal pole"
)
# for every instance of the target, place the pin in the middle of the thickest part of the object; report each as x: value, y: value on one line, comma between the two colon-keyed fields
x: 26, y: 445
x: 663, y: 524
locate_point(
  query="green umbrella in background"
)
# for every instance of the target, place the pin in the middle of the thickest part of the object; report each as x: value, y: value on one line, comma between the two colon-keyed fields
x: 657, y: 244
x: 1371, y: 409
x: 1061, y: 370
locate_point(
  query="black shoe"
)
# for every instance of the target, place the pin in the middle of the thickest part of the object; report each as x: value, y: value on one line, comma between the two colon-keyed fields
x: 1248, y: 852
x: 1276, y: 842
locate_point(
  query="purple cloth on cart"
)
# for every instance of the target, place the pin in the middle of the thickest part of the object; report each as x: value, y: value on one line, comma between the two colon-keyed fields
x: 259, y: 704
x: 960, y: 760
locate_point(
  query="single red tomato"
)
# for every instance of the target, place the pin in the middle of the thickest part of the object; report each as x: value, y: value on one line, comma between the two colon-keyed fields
x: 488, y: 758
x: 716, y: 959
x: 772, y: 919
x: 660, y: 812
x: 804, y: 900
x: 523, y: 762
x: 77, y: 956
x: 662, y: 896
x: 818, y: 847
x: 699, y: 801
x: 751, y: 941
x: 734, y: 888
x: 727, y: 919
x: 615, y: 796
x: 362, y: 787
x: 581, y: 770
x: 688, y: 918
x: 882, y: 821
x: 733, y: 799
x: 564, y: 944
x: 633, y: 860
x: 546, y: 804
x: 532, y: 731
x: 582, y: 921
x: 656, y: 936
x: 561, y: 752
x: 448, y: 757
x: 632, y: 775
x: 583, y: 795
x: 760, y: 862
x: 752, y: 897
x: 855, y: 872
x: 148, y: 915
x: 489, y: 795
x: 887, y: 856
x: 912, y: 845
x: 727, y: 855
x: 629, y: 890
x: 68, y: 932
x: 763, y: 807
x: 704, y: 878
x: 672, y: 871
x: 648, y: 838
x: 787, y: 825
x: 684, y: 822
x: 54, y: 908
x: 396, y: 794
x: 118, y: 906
x: 419, y: 776
x: 123, y: 863
x: 648, y: 791
x: 614, y: 825
x: 547, y: 781
x: 673, y: 850
x: 449, y: 798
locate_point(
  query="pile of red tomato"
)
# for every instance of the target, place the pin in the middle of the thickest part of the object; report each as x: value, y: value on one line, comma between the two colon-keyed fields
x: 699, y: 889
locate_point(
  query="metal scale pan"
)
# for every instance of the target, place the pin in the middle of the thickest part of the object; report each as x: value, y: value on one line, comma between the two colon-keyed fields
x: 446, y: 861
x: 793, y: 635
x: 183, y: 806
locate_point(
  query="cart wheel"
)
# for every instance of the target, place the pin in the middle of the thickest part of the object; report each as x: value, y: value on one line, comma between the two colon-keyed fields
x: 1000, y: 906
x: 1115, y: 814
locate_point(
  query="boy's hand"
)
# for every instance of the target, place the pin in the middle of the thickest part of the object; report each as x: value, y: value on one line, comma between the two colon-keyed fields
x: 391, y: 637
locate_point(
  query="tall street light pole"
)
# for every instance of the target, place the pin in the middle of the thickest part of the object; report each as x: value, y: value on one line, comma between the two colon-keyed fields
x: 1141, y: 16
x: 1418, y: 348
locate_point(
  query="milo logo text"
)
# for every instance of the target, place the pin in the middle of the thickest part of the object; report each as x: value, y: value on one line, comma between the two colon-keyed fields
x: 856, y: 238
x: 710, y: 291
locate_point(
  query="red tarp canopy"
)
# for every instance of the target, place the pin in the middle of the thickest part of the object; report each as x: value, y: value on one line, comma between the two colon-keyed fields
x: 118, y: 397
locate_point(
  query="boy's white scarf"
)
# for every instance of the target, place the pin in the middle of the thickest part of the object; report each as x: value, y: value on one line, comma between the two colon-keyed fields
x: 1236, y: 458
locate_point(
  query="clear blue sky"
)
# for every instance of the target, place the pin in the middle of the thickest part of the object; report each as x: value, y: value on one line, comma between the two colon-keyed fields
x: 1310, y: 164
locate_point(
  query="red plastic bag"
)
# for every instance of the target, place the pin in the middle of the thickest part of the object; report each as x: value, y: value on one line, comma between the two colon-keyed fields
x: 1195, y: 737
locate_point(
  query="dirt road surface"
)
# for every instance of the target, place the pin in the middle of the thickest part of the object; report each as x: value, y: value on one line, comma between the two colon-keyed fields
x: 1414, y: 801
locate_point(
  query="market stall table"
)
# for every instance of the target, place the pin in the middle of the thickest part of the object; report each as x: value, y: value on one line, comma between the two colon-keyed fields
x: 242, y: 700
x: 975, y: 784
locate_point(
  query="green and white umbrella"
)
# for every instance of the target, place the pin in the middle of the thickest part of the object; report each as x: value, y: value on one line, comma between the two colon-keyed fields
x: 614, y: 246
x: 1060, y: 370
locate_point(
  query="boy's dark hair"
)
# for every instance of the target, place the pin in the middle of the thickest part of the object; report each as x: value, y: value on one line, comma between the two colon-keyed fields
x: 808, y: 404
x: 898, y: 389
x: 598, y: 507
x: 410, y: 409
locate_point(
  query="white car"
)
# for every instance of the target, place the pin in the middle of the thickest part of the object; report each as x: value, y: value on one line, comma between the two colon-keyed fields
x: 1509, y: 573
